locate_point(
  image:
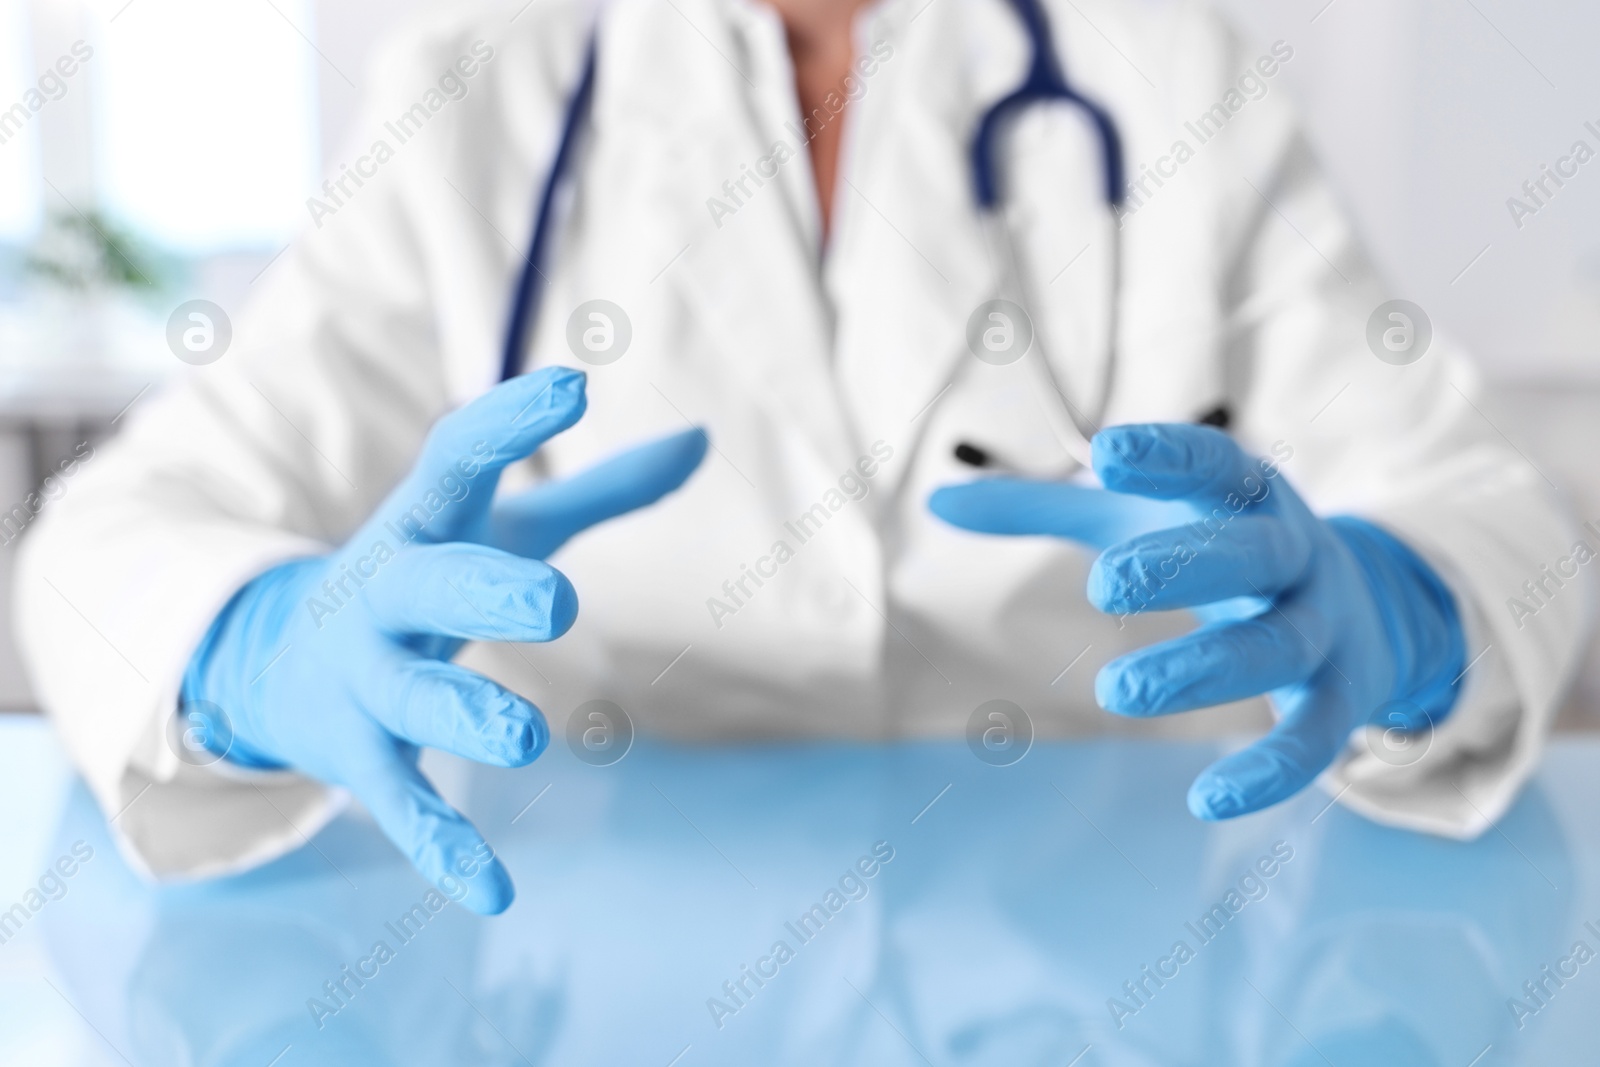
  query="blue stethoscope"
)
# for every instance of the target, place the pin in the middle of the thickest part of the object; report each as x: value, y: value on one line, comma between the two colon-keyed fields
x: 1045, y: 83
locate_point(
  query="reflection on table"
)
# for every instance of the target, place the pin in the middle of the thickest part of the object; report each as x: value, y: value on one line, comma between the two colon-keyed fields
x: 932, y: 910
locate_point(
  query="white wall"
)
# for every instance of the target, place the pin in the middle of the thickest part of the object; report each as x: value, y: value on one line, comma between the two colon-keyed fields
x: 1430, y: 114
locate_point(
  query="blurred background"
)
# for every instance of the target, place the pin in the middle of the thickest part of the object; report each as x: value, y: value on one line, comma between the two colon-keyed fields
x: 174, y: 163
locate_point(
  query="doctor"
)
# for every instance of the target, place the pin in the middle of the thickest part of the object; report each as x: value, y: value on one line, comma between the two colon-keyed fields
x: 325, y: 551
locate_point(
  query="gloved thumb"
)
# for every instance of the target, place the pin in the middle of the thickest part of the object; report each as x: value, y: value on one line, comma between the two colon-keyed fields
x: 537, y: 522
x: 1018, y: 506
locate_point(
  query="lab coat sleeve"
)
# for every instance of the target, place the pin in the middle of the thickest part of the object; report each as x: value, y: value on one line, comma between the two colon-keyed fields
x: 1417, y: 448
x: 277, y: 450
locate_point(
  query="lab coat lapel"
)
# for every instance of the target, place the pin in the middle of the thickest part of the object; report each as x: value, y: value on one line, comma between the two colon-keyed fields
x: 744, y: 251
x: 911, y: 260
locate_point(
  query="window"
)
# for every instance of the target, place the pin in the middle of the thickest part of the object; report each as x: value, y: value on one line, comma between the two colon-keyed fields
x: 20, y: 206
x: 205, y: 119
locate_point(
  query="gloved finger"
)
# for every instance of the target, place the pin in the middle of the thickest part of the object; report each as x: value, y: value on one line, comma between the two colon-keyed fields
x: 470, y: 591
x: 448, y: 492
x: 1314, y: 729
x: 1183, y: 461
x: 1253, y: 555
x: 537, y: 522
x: 1215, y: 664
x: 441, y: 844
x: 439, y: 705
x: 1023, y: 506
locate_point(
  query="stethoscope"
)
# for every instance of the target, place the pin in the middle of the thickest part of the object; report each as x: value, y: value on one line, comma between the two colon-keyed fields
x: 1045, y: 83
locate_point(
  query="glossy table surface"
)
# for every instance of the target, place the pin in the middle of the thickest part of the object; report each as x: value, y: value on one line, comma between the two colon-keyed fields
x: 1017, y: 903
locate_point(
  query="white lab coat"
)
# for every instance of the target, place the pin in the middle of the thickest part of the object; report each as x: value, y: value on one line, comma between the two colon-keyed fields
x: 1243, y: 284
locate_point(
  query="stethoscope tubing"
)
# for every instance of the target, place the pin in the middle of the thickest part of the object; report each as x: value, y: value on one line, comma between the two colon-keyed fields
x: 530, y: 282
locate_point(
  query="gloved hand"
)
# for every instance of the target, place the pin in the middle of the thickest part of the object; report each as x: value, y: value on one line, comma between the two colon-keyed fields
x: 1342, y: 624
x: 338, y: 666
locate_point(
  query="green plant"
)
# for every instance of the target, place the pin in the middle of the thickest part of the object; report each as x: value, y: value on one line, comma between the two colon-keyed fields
x: 83, y: 252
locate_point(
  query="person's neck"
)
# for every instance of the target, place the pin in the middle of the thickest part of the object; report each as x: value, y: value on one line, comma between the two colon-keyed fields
x: 821, y: 48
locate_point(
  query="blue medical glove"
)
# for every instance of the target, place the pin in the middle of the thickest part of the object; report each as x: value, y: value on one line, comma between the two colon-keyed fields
x: 339, y: 666
x: 1342, y: 624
